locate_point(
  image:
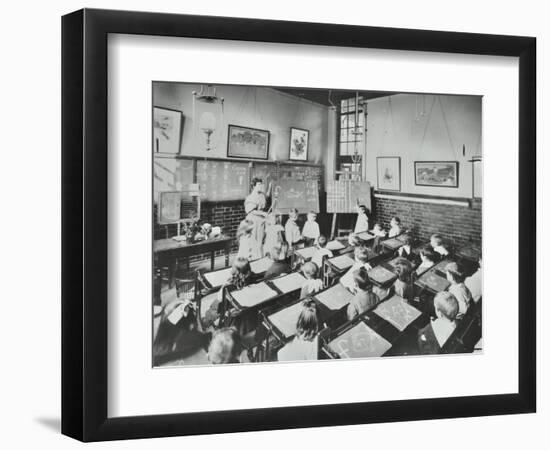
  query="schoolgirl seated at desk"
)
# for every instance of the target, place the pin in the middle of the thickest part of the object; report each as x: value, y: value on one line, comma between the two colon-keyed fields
x: 241, y: 276
x: 312, y: 284
x: 361, y: 255
x: 404, y: 285
x: 305, y: 345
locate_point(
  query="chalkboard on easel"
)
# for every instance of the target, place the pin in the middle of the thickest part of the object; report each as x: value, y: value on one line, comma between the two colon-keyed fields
x: 344, y: 195
x: 302, y: 195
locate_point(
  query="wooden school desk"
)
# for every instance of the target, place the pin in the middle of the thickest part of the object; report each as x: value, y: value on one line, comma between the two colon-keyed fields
x: 468, y: 256
x: 250, y: 299
x: 303, y: 255
x: 388, y: 329
x: 392, y: 244
x: 382, y: 275
x: 356, y: 340
x: 279, y: 323
x: 470, y: 253
x: 365, y: 236
x: 169, y: 251
x: 434, y: 279
x: 339, y: 264
x: 208, y: 281
x: 398, y: 321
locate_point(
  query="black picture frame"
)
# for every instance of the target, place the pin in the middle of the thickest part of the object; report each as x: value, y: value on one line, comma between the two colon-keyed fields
x: 456, y: 168
x: 378, y: 158
x: 230, y: 155
x: 84, y: 224
x: 179, y: 133
x: 290, y: 158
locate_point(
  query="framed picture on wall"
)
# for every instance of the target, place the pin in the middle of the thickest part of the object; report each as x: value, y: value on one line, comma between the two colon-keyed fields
x: 167, y: 128
x: 299, y: 140
x: 436, y: 173
x: 249, y: 143
x: 388, y: 173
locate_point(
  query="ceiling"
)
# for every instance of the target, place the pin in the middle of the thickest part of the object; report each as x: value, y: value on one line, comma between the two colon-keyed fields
x: 321, y: 96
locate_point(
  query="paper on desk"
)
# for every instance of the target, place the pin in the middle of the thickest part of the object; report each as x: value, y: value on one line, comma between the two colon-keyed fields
x: 306, y: 253
x: 260, y: 265
x: 289, y: 283
x: 219, y: 277
x: 335, y: 245
x: 341, y: 262
x: 381, y: 275
x: 179, y: 312
x: 285, y: 319
x: 393, y: 243
x: 253, y: 295
x: 335, y: 297
x: 365, y: 236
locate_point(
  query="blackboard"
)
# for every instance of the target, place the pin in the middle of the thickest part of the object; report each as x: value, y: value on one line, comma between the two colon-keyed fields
x: 302, y: 195
x: 223, y: 180
x: 185, y: 170
x: 300, y: 173
x: 173, y: 174
x: 268, y: 173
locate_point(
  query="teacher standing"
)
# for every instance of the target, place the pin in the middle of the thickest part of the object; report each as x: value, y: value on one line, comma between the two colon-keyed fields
x: 254, y: 206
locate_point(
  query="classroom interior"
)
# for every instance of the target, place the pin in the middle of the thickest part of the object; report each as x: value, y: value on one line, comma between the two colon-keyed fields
x: 395, y: 182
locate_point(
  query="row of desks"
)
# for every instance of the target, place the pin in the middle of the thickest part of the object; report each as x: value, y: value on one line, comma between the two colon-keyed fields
x: 375, y: 333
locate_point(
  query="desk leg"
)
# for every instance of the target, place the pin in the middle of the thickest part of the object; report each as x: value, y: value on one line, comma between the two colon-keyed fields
x: 227, y: 250
x: 267, y: 349
x: 212, y: 260
x: 173, y: 270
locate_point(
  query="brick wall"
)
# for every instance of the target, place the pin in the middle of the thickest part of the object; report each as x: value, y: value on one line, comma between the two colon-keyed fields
x: 459, y: 225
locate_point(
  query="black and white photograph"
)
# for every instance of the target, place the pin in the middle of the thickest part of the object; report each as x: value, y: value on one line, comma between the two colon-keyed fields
x: 350, y: 245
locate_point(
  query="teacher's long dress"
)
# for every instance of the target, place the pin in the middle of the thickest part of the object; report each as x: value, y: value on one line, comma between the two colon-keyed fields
x: 256, y: 202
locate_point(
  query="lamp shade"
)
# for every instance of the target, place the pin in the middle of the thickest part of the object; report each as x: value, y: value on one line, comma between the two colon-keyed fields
x: 207, y: 122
